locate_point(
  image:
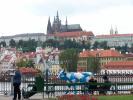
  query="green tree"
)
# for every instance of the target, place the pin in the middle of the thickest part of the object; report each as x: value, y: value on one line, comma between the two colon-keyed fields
x: 96, y: 45
x: 20, y: 43
x: 68, y: 59
x: 124, y: 48
x: 12, y: 43
x: 103, y: 45
x: 88, y: 45
x: 51, y: 43
x: 32, y: 44
x: 22, y: 63
x: 3, y: 44
x: 25, y: 63
x: 131, y: 48
x: 29, y: 46
x: 30, y: 63
x: 93, y: 64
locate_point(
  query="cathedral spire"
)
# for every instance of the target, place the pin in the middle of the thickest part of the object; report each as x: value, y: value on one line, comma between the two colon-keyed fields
x: 116, y: 31
x: 57, y: 14
x: 111, y: 31
x: 57, y: 17
x: 66, y: 24
x: 49, y: 28
x: 66, y: 21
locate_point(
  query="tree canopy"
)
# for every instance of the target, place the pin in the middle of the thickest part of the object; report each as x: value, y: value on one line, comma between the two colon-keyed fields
x: 12, y: 43
x: 93, y: 64
x: 68, y: 59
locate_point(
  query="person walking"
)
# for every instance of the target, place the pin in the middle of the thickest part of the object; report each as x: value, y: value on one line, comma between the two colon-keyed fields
x: 16, y: 84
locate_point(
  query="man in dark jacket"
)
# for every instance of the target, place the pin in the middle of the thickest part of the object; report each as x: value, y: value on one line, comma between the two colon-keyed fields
x: 92, y: 87
x: 16, y: 84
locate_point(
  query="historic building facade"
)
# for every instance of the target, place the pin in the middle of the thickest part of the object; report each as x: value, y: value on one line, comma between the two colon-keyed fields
x: 57, y: 26
x: 115, y: 39
x: 24, y: 37
x: 104, y: 56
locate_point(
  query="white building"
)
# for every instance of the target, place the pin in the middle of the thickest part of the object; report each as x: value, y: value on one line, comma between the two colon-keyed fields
x: 7, y: 59
x: 25, y: 37
x: 114, y: 39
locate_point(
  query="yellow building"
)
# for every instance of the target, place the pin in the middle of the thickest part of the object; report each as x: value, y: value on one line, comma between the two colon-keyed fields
x: 104, y: 56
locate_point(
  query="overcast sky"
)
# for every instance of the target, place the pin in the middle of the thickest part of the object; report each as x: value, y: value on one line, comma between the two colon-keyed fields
x: 30, y: 16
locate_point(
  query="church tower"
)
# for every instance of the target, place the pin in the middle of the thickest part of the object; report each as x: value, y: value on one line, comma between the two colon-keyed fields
x: 57, y: 27
x: 49, y: 28
x: 111, y: 31
x: 56, y: 24
x: 116, y: 31
x: 66, y: 24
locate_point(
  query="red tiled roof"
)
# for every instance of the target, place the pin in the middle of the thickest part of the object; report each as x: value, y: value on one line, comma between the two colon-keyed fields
x: 113, y: 35
x: 73, y: 34
x: 101, y: 53
x: 119, y: 65
x: 25, y: 70
x: 7, y: 58
x: 85, y: 54
x: 109, y: 53
x: 27, y: 55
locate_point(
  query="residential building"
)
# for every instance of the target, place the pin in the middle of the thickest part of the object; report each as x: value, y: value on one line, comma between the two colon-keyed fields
x: 48, y: 59
x: 119, y: 67
x: 7, y: 60
x: 129, y: 56
x: 104, y: 57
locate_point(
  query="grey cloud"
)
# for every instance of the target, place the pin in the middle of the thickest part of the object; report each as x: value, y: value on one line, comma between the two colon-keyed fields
x: 71, y: 7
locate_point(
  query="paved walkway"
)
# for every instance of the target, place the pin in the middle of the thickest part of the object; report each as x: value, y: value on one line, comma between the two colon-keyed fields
x: 35, y: 97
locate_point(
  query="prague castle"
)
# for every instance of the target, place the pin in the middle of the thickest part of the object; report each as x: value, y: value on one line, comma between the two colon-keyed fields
x: 58, y: 27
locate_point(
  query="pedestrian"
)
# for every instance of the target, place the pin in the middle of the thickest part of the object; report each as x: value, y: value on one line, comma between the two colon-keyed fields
x: 93, y: 85
x: 16, y: 84
x: 105, y: 77
x: 107, y: 84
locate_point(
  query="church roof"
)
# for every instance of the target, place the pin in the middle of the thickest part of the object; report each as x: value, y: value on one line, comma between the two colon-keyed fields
x: 71, y: 26
x: 74, y: 26
x: 74, y: 34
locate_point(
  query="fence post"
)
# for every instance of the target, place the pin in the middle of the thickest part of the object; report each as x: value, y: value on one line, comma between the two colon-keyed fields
x: 47, y: 91
x: 116, y: 90
x: 43, y: 87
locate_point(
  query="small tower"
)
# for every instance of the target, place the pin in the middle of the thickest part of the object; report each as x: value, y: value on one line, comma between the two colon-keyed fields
x: 56, y: 24
x: 57, y: 16
x: 66, y: 24
x: 49, y: 28
x: 111, y: 31
x: 116, y: 31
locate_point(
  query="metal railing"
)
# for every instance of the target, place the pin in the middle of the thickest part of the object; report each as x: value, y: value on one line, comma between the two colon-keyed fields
x: 120, y: 84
